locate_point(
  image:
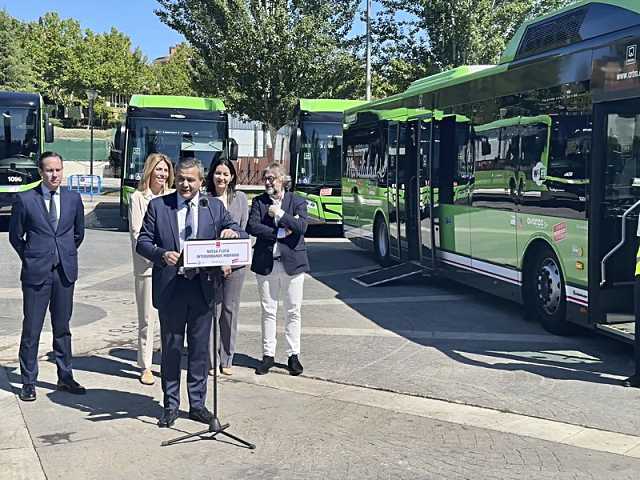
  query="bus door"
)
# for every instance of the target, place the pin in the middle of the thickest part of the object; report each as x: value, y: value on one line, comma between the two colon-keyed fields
x: 614, y: 206
x: 427, y: 132
x: 452, y: 182
x: 395, y: 191
x: 403, y: 193
x: 493, y: 216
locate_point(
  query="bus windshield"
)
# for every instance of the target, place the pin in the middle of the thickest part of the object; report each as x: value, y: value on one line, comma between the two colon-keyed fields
x: 320, y: 151
x: 18, y: 133
x: 201, y: 139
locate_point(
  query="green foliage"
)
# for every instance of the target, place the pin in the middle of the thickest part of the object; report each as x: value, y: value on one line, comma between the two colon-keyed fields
x: 262, y: 55
x: 61, y: 60
x: 416, y: 38
x: 176, y: 76
x: 16, y: 69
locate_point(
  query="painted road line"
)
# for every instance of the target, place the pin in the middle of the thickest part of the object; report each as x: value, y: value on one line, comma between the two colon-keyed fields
x: 423, y: 335
x: 468, y: 415
x: 364, y: 301
x: 97, y: 278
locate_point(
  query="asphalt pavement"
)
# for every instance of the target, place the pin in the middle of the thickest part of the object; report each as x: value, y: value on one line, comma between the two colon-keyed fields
x: 419, y: 379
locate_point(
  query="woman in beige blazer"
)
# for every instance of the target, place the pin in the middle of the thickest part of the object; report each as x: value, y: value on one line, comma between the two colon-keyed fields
x: 157, y: 179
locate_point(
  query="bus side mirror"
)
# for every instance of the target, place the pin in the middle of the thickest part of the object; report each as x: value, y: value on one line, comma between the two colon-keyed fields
x: 116, y: 148
x: 233, y: 150
x: 485, y: 147
x: 48, y: 130
x: 298, y: 140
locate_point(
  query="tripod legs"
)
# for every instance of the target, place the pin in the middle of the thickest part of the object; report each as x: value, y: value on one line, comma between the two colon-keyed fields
x: 215, y: 427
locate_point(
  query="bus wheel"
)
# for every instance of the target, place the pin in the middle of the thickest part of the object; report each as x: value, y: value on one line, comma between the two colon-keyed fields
x: 381, y: 242
x: 547, y: 292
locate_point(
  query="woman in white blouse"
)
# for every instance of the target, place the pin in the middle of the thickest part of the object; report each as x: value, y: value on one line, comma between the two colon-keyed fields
x: 157, y: 179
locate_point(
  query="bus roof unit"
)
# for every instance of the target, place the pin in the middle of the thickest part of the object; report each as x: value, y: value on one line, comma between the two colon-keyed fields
x: 176, y: 101
x: 326, y: 105
x: 575, y: 23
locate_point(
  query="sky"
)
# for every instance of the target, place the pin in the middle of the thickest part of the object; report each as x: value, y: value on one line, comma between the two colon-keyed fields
x: 135, y: 18
x: 132, y: 17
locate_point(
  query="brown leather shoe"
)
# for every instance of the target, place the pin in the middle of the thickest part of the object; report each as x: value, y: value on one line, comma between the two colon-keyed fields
x: 147, y: 378
x: 226, y: 371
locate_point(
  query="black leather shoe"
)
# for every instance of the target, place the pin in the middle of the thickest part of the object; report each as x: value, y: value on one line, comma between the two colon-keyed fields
x: 265, y: 366
x: 633, y: 381
x: 295, y: 367
x: 168, y: 418
x: 28, y: 393
x: 201, y: 415
x: 71, y: 386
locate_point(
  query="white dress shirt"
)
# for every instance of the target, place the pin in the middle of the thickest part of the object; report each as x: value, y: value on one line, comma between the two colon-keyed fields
x: 281, y: 231
x: 47, y: 198
x: 182, y: 217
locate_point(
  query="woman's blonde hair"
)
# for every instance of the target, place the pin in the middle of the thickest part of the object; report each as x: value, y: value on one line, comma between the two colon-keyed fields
x: 150, y: 164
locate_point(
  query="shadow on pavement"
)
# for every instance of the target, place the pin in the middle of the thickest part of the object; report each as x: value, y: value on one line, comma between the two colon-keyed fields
x: 100, y: 403
x: 607, y: 355
x: 105, y: 216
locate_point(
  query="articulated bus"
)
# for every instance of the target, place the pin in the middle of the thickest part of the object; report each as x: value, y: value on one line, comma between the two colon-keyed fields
x: 521, y: 179
x: 25, y: 129
x: 312, y: 145
x: 174, y: 125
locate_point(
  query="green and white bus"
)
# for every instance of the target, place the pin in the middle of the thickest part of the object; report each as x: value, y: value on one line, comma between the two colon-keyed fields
x: 24, y: 130
x: 311, y: 145
x: 174, y: 125
x: 521, y: 179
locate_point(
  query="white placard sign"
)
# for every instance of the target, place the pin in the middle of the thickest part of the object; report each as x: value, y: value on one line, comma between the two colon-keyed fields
x: 216, y: 253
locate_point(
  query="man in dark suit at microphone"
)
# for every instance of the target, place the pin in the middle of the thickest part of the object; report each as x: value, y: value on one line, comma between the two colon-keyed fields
x: 183, y: 297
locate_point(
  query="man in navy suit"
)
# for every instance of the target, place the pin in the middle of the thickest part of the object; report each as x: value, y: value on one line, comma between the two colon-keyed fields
x: 46, y: 229
x: 278, y: 220
x: 184, y: 297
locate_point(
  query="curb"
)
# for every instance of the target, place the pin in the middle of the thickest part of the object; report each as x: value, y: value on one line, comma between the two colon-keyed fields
x: 18, y: 456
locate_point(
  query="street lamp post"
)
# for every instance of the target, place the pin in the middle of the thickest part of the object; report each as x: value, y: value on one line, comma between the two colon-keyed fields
x: 91, y: 95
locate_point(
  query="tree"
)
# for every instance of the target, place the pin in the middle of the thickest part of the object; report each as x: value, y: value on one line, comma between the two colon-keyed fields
x: 422, y: 37
x: 16, y: 69
x: 262, y: 55
x: 54, y: 45
x: 175, y: 77
x: 111, y: 65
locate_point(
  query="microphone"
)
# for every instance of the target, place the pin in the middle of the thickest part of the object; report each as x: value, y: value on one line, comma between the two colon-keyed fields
x: 204, y: 202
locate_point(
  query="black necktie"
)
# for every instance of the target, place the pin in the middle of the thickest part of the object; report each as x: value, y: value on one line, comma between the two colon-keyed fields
x: 53, y: 211
x: 53, y: 218
x: 188, y: 222
x: 189, y: 273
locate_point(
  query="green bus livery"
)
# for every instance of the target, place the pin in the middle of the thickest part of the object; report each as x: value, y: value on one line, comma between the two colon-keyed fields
x: 520, y: 179
x: 311, y: 145
x: 25, y: 129
x: 174, y: 125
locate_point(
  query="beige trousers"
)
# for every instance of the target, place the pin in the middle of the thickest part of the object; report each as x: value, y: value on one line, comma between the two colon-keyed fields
x: 147, y: 321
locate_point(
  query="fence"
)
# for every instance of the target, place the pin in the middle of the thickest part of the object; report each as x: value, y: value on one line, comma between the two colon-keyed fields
x: 86, y: 184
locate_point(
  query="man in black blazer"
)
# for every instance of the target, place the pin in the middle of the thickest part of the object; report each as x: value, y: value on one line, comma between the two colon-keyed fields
x: 278, y: 220
x: 46, y: 229
x: 184, y: 298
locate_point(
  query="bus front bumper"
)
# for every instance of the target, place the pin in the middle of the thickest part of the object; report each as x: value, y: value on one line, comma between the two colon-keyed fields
x: 6, y: 202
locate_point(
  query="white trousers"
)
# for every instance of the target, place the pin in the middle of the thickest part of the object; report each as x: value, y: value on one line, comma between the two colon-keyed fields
x: 147, y: 321
x: 269, y: 288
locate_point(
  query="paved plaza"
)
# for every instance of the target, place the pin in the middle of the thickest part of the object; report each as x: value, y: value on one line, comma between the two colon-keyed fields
x: 420, y: 379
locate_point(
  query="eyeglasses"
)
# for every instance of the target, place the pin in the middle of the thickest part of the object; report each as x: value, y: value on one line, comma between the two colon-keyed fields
x: 270, y: 179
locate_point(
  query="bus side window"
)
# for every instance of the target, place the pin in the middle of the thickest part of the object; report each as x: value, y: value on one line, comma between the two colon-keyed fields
x: 570, y: 148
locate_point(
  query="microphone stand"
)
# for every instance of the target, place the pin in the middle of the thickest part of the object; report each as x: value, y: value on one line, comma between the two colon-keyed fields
x: 215, y: 427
